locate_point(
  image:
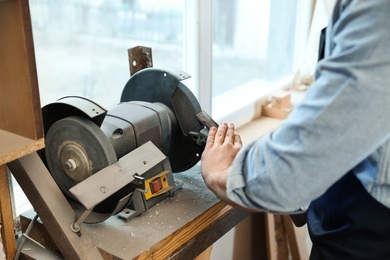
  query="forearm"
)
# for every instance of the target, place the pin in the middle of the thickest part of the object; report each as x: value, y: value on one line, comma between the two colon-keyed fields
x: 217, y: 184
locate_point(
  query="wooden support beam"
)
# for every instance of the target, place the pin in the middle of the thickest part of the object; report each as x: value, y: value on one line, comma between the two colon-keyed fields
x: 20, y: 110
x: 7, y: 224
x: 52, y: 208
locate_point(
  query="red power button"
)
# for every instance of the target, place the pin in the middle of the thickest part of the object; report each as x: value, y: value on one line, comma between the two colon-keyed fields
x: 156, y: 185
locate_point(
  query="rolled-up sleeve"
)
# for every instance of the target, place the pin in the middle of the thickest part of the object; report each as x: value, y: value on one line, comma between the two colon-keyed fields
x: 343, y: 118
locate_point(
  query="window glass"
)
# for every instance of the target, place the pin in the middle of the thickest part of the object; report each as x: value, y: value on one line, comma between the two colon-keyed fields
x: 81, y: 45
x: 251, y: 40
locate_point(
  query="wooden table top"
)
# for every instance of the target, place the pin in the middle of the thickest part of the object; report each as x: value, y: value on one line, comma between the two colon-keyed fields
x: 184, y: 224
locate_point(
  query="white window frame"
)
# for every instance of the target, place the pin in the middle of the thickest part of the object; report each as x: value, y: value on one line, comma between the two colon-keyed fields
x: 197, y: 49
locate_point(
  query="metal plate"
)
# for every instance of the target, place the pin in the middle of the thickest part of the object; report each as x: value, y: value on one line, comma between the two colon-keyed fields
x: 164, y: 86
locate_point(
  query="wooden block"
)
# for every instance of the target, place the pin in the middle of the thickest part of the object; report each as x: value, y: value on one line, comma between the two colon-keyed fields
x: 15, y: 146
x: 281, y: 99
x: 279, y: 107
x: 270, y: 111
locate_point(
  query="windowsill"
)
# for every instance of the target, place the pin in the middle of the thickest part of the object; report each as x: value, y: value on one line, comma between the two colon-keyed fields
x: 242, y: 105
x: 257, y: 128
x: 262, y: 125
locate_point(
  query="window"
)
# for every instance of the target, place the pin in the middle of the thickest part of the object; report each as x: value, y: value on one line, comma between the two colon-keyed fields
x: 240, y: 51
x: 255, y: 46
x: 251, y: 40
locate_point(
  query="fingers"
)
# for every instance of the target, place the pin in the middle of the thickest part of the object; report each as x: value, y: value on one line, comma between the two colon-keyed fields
x: 225, y: 134
x: 211, y: 138
x: 237, y: 140
x: 221, y: 134
x: 230, y: 134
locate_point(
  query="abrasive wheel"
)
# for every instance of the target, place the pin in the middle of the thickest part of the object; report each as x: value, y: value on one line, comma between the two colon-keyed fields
x: 75, y: 149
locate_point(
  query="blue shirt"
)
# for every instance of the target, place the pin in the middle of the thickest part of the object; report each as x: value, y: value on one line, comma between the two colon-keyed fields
x: 342, y: 125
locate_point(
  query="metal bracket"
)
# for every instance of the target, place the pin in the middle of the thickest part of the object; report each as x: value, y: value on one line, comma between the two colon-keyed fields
x: 140, y: 57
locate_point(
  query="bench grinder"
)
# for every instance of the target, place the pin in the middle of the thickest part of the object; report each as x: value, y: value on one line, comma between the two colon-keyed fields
x: 82, y: 138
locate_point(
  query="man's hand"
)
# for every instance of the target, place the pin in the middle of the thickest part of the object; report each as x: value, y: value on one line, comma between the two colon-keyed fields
x: 221, y: 148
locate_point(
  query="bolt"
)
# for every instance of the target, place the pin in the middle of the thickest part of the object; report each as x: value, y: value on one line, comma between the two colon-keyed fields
x: 103, y: 189
x: 70, y: 165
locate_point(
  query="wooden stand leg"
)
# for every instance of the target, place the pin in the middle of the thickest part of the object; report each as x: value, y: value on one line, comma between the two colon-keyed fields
x: 285, y: 241
x: 296, y: 238
x: 7, y: 223
x: 205, y: 255
x: 53, y: 208
x: 281, y: 238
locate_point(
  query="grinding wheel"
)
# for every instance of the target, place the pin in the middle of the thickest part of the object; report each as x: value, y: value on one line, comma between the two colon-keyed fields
x: 160, y: 86
x: 75, y: 149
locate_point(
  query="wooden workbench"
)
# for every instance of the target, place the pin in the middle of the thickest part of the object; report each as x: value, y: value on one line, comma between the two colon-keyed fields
x: 181, y: 226
x: 184, y: 224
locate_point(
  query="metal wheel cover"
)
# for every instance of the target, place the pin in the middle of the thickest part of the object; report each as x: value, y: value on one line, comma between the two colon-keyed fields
x: 159, y: 86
